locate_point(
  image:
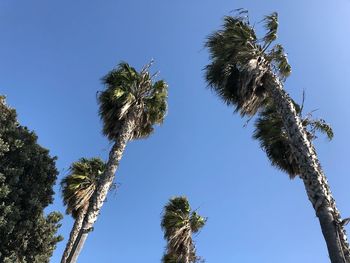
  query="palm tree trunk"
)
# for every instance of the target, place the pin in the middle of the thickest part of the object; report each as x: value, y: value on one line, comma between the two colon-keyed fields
x: 74, y: 233
x: 106, y: 181
x: 315, y: 181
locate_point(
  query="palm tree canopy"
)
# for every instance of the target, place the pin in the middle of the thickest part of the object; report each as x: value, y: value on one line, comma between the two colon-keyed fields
x: 270, y: 132
x: 79, y: 185
x: 178, y: 224
x: 130, y: 92
x: 240, y: 62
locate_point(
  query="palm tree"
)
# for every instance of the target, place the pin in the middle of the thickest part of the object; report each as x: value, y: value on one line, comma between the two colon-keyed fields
x: 247, y: 72
x: 131, y: 104
x: 179, y: 224
x: 77, y: 188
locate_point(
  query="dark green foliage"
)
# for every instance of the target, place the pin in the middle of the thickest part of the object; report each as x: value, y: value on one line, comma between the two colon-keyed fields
x: 274, y: 141
x: 44, y: 233
x: 178, y: 224
x: 271, y: 26
x: 318, y: 125
x: 80, y: 184
x: 167, y: 258
x: 270, y: 132
x: 240, y: 62
x: 127, y: 93
x: 27, y: 175
x: 279, y: 61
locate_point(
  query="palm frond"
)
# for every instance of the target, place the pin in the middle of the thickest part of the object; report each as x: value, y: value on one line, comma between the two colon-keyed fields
x: 318, y: 125
x: 279, y: 60
x: 271, y: 26
x: 270, y: 132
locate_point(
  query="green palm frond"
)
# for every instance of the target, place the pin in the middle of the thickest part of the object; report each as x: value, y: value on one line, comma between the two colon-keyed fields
x: 279, y: 61
x: 178, y: 224
x: 318, y: 125
x: 270, y: 132
x: 240, y: 62
x: 79, y: 185
x: 130, y: 91
x: 197, y: 222
x: 271, y: 26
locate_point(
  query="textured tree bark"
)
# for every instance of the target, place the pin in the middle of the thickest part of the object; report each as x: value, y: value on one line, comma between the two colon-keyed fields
x: 315, y: 181
x: 101, y: 192
x: 74, y: 233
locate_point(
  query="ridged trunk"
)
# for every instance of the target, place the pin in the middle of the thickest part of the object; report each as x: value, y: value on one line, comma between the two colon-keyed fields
x: 315, y: 181
x: 74, y: 233
x: 102, y: 189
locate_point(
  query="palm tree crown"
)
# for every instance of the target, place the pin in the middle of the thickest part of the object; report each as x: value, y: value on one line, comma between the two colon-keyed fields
x: 179, y: 223
x: 131, y: 93
x: 79, y: 185
x: 240, y: 62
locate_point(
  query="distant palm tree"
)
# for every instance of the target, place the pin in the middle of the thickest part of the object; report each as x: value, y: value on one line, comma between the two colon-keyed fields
x: 269, y: 130
x: 77, y: 188
x: 131, y: 104
x: 247, y: 72
x: 179, y: 224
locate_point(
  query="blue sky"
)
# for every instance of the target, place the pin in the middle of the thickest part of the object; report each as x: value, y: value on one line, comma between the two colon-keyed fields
x: 52, y: 57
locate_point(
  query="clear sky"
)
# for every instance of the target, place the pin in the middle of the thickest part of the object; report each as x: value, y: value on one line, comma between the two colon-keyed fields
x: 52, y: 57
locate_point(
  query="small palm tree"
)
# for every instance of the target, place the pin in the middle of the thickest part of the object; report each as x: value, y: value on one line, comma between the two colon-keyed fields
x: 248, y: 73
x: 269, y: 130
x: 77, y: 188
x: 179, y: 224
x: 131, y: 104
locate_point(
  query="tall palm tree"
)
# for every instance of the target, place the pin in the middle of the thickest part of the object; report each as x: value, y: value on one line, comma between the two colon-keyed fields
x: 179, y: 223
x: 246, y: 72
x: 77, y: 188
x: 131, y: 104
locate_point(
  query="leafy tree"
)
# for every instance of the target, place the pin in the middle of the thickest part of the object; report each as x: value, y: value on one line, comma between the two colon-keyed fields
x: 27, y: 175
x: 248, y: 73
x: 77, y: 189
x: 179, y: 223
x: 131, y: 104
